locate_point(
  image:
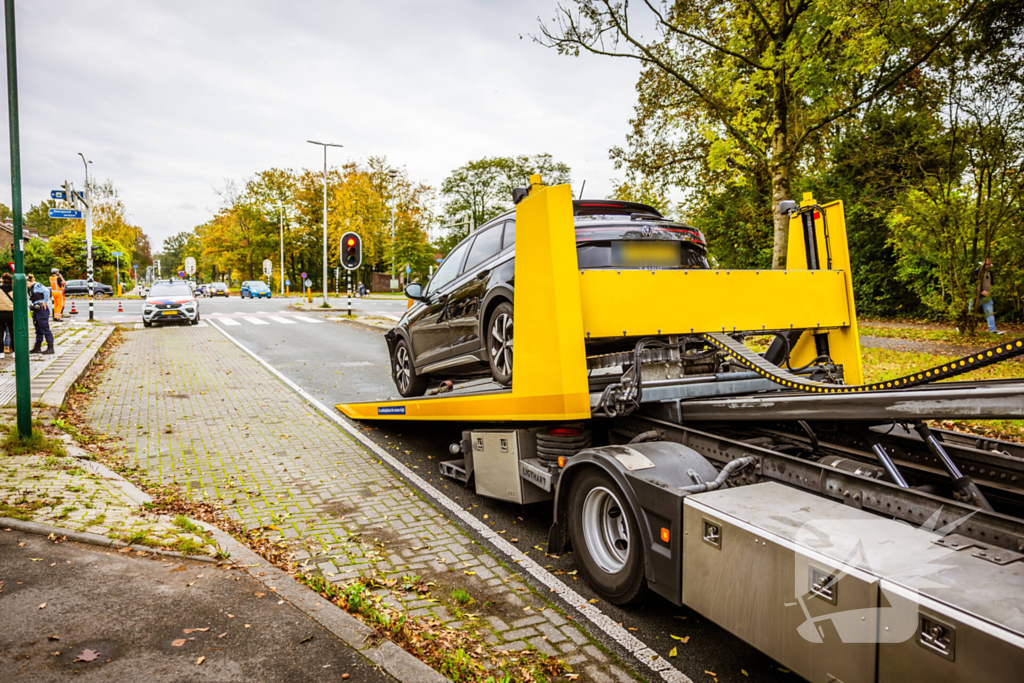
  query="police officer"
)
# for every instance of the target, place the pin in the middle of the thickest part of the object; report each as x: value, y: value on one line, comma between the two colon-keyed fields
x: 39, y: 304
x: 57, y: 291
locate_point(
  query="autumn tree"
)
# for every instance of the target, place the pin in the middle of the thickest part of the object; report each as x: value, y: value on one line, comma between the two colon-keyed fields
x: 764, y: 81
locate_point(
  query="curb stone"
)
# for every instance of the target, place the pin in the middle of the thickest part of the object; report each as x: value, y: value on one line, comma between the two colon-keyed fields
x: 53, y: 397
x: 387, y: 655
x: 95, y: 539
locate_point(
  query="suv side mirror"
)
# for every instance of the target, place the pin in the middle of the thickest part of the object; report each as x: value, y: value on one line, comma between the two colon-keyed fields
x: 414, y: 290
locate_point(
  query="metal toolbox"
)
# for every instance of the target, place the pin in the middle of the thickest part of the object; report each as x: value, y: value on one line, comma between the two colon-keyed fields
x: 496, y: 456
x: 958, y: 641
x: 782, y: 568
x: 744, y: 569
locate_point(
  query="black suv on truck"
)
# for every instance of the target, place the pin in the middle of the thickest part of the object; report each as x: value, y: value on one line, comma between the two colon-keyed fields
x: 461, y: 323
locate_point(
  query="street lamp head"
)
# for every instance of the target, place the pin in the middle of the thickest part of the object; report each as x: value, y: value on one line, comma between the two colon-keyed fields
x: 392, y: 173
x: 323, y: 144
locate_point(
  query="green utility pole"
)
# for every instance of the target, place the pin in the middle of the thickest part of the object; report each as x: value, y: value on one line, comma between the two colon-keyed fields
x: 21, y: 372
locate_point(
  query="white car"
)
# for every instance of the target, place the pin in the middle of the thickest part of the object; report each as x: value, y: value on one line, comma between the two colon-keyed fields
x: 170, y: 301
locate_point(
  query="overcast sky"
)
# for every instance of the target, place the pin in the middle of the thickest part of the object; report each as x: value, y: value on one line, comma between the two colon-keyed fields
x: 170, y: 99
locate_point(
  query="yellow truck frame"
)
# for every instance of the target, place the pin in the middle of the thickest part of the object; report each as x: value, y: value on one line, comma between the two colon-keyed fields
x: 558, y: 306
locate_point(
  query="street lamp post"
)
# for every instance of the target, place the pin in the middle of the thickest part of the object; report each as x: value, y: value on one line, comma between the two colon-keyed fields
x: 325, y: 145
x: 393, y: 174
x: 88, y: 233
x: 280, y: 213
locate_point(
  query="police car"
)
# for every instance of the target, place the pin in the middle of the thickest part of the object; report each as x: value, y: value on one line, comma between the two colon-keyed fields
x: 170, y: 301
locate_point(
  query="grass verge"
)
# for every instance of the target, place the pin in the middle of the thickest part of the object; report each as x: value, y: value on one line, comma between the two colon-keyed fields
x: 883, y: 364
x: 15, y: 444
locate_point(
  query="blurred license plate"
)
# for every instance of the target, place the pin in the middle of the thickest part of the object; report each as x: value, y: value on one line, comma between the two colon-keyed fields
x: 636, y: 254
x: 168, y: 313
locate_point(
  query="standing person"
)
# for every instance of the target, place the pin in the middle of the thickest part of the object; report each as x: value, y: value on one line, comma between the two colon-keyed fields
x: 7, y: 313
x: 39, y: 304
x: 984, y: 273
x: 57, y: 291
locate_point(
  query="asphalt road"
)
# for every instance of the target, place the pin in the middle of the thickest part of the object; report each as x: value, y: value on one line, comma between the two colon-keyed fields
x: 62, y: 599
x: 340, y: 362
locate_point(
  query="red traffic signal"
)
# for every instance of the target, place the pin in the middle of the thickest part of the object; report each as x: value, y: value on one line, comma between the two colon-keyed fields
x: 351, y: 251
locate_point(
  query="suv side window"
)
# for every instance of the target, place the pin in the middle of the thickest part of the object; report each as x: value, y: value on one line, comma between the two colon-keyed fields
x: 486, y: 245
x: 448, y: 270
x: 509, y: 240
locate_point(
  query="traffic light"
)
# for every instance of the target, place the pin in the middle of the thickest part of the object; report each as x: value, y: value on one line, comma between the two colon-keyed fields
x: 351, y: 251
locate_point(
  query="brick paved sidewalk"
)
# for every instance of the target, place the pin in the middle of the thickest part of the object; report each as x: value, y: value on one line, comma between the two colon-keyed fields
x: 59, y: 491
x: 193, y: 409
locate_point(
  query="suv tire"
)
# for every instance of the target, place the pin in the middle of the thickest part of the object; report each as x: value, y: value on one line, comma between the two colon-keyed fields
x: 408, y: 382
x: 498, y: 343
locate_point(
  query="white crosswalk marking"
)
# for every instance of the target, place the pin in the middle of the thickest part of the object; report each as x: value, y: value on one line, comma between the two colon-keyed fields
x: 229, y: 321
x: 283, y: 321
x: 255, y: 321
x: 138, y: 326
x: 307, y: 319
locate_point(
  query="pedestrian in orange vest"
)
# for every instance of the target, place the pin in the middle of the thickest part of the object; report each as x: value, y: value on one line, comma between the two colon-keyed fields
x: 57, y: 284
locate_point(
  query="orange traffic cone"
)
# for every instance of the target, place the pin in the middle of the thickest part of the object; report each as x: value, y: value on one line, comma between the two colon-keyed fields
x: 73, y: 311
x: 120, y: 309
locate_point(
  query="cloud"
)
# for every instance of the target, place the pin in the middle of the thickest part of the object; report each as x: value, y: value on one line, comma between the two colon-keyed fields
x: 169, y: 99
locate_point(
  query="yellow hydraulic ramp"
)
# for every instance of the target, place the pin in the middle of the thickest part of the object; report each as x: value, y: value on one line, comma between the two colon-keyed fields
x: 558, y: 306
x: 550, y: 367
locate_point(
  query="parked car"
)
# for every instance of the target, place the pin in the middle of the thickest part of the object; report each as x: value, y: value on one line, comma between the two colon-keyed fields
x: 170, y: 302
x: 200, y: 290
x: 218, y: 289
x: 461, y: 322
x: 255, y: 289
x: 81, y: 287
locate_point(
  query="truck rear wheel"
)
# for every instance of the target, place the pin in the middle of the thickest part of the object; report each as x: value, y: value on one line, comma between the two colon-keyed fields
x: 606, y: 538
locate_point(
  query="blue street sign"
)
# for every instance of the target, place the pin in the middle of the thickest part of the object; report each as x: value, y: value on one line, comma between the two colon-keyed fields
x: 64, y: 213
x: 116, y: 253
x: 408, y: 270
x: 287, y: 283
x: 58, y: 194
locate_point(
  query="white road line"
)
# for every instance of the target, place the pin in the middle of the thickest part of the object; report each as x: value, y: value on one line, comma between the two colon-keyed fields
x: 229, y: 321
x: 306, y: 319
x: 278, y: 319
x: 255, y: 321
x: 640, y: 650
x: 138, y: 326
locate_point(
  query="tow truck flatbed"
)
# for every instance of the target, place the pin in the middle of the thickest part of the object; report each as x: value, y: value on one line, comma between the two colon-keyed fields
x: 746, y: 494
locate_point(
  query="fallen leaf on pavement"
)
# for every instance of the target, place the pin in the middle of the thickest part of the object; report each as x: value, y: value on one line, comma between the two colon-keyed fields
x: 87, y: 656
x: 260, y: 595
x: 685, y: 639
x: 248, y: 626
x: 594, y: 601
x: 710, y: 673
x: 744, y: 672
x: 196, y: 630
x: 178, y: 643
x: 36, y: 559
x: 42, y: 605
x: 223, y: 634
x: 200, y: 661
x: 54, y: 637
x: 306, y: 639
x: 673, y: 652
x: 231, y: 616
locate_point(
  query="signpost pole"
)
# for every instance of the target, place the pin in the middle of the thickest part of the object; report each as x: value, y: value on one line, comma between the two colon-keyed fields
x: 348, y: 290
x: 22, y: 380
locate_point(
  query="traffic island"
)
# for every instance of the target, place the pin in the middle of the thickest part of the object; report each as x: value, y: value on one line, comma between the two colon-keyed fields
x: 194, y: 411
